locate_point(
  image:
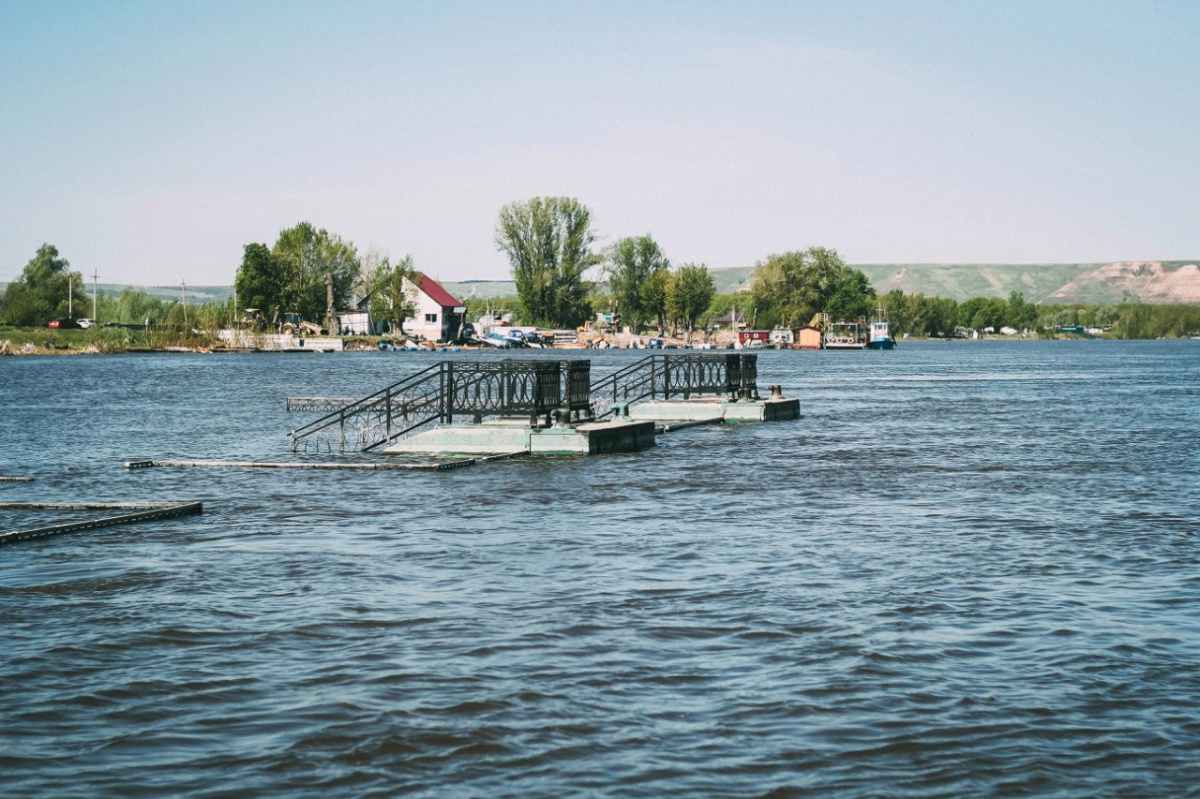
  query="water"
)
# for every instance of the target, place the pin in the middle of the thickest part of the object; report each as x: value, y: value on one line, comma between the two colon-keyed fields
x: 969, y: 570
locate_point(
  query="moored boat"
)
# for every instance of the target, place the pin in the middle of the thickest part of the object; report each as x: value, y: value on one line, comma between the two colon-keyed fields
x: 880, y: 335
x: 843, y: 336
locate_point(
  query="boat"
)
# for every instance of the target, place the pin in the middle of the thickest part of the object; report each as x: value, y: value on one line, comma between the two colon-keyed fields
x: 844, y: 336
x: 880, y: 335
x: 752, y: 339
x: 782, y: 338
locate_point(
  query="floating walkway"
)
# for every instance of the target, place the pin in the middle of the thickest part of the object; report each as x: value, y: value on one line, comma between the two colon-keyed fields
x: 433, y: 466
x: 773, y: 409
x: 141, y: 512
x: 584, y: 438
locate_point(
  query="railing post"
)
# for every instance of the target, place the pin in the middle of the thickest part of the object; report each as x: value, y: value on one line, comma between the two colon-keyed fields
x: 448, y: 392
x: 387, y: 424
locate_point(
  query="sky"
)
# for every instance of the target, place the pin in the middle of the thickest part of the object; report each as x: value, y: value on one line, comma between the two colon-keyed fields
x: 151, y: 141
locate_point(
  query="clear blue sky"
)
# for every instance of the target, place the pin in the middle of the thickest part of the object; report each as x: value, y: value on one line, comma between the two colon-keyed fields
x: 150, y: 141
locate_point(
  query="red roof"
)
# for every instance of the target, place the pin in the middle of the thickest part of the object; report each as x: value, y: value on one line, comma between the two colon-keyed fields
x: 436, y: 292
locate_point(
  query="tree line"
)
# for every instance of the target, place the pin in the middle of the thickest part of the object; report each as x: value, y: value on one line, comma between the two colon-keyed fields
x: 562, y: 279
x: 49, y: 289
x: 548, y: 241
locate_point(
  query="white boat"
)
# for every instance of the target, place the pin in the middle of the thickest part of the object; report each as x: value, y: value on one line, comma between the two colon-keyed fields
x: 880, y: 335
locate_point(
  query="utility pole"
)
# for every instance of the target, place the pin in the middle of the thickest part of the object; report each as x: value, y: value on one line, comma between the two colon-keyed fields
x: 94, y: 276
x: 329, y: 320
x: 183, y: 285
x: 70, y: 297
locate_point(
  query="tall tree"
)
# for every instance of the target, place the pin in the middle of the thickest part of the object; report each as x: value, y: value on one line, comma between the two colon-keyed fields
x: 654, y: 297
x: 982, y: 313
x: 42, y: 291
x: 849, y: 294
x: 259, y: 281
x: 548, y: 243
x: 689, y: 293
x: 1022, y: 315
x: 391, y: 289
x: 306, y: 257
x: 629, y: 264
x: 791, y: 287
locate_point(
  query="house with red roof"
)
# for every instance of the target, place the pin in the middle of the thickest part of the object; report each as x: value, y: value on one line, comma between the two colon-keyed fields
x: 438, y: 316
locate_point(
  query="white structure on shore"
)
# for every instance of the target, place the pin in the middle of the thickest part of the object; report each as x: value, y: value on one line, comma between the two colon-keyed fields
x: 437, y: 315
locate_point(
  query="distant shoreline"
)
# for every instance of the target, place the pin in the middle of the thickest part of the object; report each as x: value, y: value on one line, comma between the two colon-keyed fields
x: 29, y: 348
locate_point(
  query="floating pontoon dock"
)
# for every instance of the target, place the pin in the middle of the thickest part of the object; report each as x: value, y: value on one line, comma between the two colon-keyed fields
x: 543, y: 407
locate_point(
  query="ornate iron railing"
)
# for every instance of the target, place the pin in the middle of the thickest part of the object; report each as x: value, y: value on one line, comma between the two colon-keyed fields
x: 666, y: 376
x: 450, y: 390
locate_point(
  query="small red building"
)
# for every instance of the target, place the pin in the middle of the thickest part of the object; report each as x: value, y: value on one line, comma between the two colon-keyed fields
x: 753, y: 338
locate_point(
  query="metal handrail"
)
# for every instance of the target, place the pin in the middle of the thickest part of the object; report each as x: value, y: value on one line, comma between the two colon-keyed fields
x: 450, y: 389
x: 684, y: 375
x: 372, y: 402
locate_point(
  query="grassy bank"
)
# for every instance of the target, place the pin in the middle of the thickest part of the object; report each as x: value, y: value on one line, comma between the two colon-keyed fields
x: 104, y: 340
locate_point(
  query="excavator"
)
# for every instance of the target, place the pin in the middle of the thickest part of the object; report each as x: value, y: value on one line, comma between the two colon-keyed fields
x: 293, y: 323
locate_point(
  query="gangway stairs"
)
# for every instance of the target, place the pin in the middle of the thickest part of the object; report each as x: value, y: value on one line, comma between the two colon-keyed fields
x: 449, y: 391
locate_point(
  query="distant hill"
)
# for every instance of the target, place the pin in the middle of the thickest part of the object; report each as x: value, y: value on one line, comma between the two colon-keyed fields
x: 196, y: 295
x: 1092, y: 284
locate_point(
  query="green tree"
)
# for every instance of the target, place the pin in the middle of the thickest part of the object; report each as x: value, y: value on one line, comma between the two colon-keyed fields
x: 654, y: 297
x: 629, y: 264
x: 1021, y: 315
x: 392, y: 293
x: 689, y: 293
x: 898, y: 311
x: 849, y: 294
x: 43, y: 291
x: 981, y: 313
x: 939, y: 316
x: 259, y: 281
x: 308, y: 259
x: 548, y: 243
x: 139, y: 308
x: 790, y: 288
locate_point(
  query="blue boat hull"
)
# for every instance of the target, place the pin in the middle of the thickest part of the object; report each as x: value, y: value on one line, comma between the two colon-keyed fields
x: 882, y: 344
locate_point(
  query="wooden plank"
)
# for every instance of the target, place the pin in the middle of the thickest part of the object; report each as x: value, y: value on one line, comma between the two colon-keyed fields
x: 163, y: 511
x: 376, y: 467
x: 683, y: 425
x: 87, y: 505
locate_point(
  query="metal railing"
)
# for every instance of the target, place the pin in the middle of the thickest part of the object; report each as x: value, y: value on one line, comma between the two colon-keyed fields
x: 666, y: 377
x: 452, y: 389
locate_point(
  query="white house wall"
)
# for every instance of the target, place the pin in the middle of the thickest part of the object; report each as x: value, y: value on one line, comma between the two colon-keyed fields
x: 431, y: 320
x: 420, y: 323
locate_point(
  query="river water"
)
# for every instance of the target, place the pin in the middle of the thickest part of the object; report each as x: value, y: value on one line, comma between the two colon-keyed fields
x: 970, y: 569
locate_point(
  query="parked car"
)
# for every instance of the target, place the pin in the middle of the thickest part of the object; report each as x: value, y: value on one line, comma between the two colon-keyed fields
x: 63, y: 324
x: 85, y: 323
